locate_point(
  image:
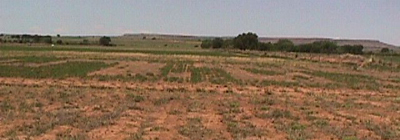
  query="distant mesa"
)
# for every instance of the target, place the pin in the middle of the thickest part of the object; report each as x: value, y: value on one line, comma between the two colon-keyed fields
x: 162, y: 36
x: 369, y: 45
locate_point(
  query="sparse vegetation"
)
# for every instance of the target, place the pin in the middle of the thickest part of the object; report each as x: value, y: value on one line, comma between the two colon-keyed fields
x: 349, y: 80
x: 263, y: 72
x: 194, y: 129
x: 69, y: 69
x: 213, y: 75
x: 153, y: 89
x: 33, y: 59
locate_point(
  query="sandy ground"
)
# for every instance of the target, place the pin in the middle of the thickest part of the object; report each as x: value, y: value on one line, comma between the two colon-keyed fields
x: 90, y: 108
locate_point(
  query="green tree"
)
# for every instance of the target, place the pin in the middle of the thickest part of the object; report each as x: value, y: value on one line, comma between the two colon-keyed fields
x: 285, y: 45
x: 357, y: 49
x: 265, y: 46
x: 228, y: 43
x: 246, y: 41
x: 59, y: 42
x: 47, y: 39
x: 85, y: 42
x: 105, y: 41
x: 353, y: 49
x: 385, y: 50
x: 217, y: 43
x: 206, y: 44
x: 304, y: 48
x: 325, y: 47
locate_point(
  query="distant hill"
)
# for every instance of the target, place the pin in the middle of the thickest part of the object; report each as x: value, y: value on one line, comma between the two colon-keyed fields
x: 369, y: 45
x: 165, y: 36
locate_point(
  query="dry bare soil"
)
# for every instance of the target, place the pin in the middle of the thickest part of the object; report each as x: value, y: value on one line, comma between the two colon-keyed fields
x: 108, y: 95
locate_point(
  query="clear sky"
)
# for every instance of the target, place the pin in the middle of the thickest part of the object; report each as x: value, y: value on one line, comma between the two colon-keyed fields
x: 354, y: 19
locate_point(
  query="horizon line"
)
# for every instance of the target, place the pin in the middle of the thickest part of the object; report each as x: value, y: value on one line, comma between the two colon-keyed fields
x: 200, y: 35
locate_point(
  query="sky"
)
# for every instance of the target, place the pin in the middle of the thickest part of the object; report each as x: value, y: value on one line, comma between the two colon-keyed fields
x: 346, y: 19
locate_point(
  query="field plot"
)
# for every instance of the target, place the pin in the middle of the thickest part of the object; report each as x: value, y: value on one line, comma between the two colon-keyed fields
x: 127, y: 93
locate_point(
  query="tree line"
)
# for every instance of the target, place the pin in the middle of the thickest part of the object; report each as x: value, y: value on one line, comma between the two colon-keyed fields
x: 249, y: 41
x: 25, y: 38
x: 32, y: 38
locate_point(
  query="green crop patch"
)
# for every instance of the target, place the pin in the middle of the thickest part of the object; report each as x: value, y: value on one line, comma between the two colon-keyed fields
x: 395, y: 79
x: 37, y: 59
x: 32, y: 59
x: 180, y: 67
x: 121, y: 50
x: 390, y: 58
x: 354, y: 81
x: 69, y: 69
x: 129, y: 78
x: 381, y: 67
x: 166, y: 69
x: 5, y: 58
x: 213, y: 75
x: 175, y: 68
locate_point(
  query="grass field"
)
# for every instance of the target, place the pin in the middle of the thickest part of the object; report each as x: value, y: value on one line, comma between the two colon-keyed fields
x: 162, y: 89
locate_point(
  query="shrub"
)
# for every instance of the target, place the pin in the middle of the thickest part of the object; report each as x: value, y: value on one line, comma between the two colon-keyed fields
x: 85, y: 42
x: 385, y: 50
x: 228, y: 43
x: 105, y: 41
x: 284, y: 45
x: 217, y: 43
x: 206, y: 44
x: 265, y: 46
x: 59, y: 42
